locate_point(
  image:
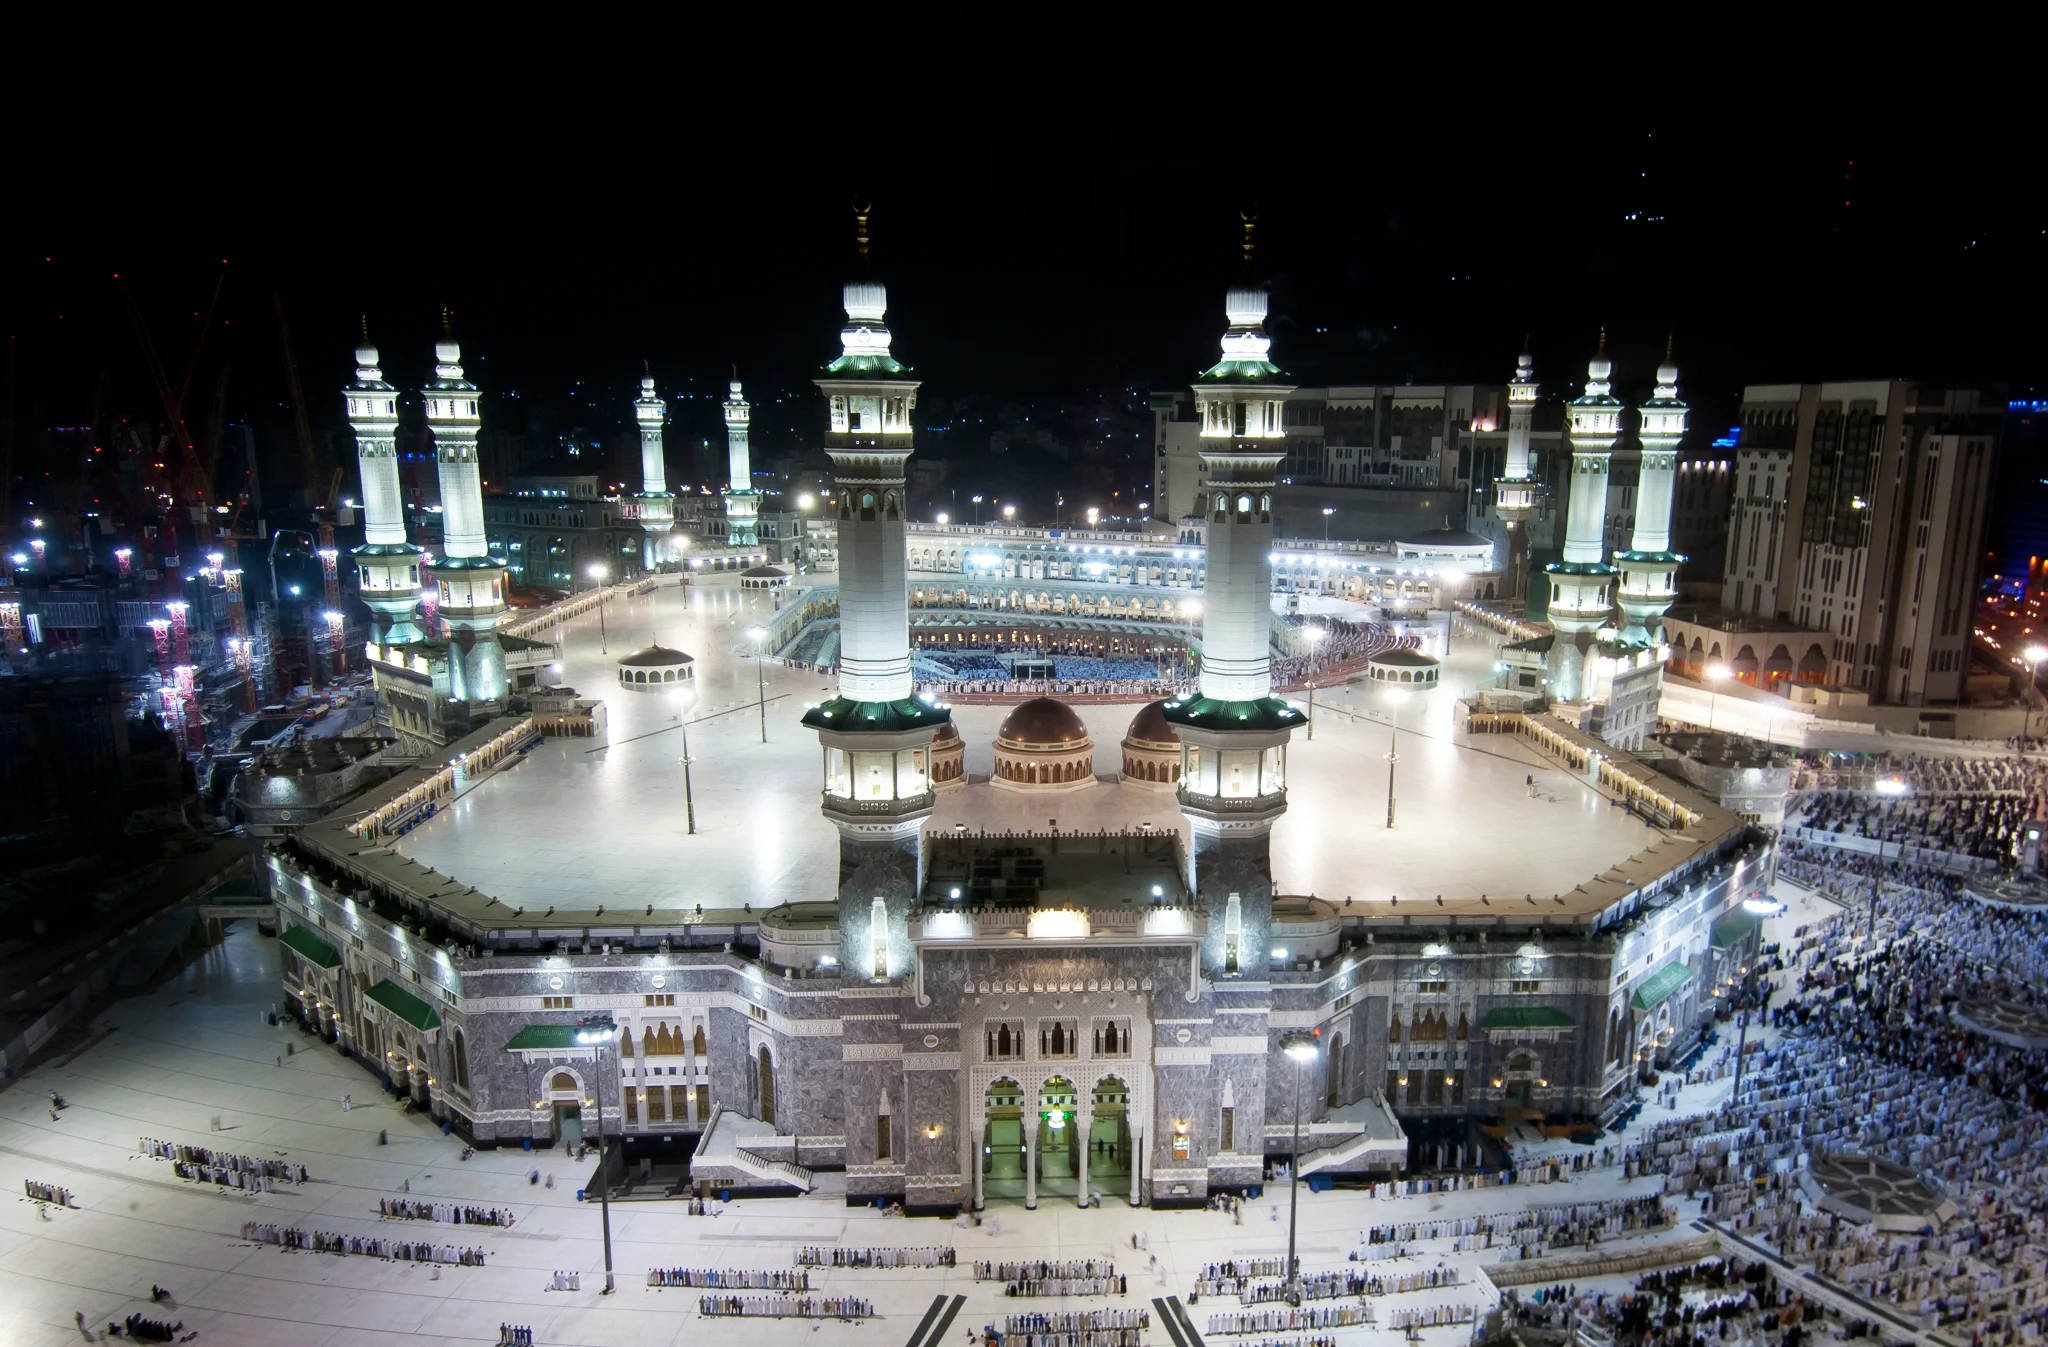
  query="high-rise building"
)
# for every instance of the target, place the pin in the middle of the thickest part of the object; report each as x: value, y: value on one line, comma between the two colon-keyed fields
x: 1859, y: 515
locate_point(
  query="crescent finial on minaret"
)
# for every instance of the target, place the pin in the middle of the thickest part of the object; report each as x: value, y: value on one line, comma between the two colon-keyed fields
x: 447, y: 321
x: 1603, y: 342
x: 862, y: 208
x: 1669, y: 338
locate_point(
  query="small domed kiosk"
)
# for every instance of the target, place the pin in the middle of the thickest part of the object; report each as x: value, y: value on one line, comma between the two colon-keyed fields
x: 764, y: 576
x: 654, y: 668
x: 949, y: 759
x: 1042, y: 746
x: 1405, y: 666
x: 1151, y: 750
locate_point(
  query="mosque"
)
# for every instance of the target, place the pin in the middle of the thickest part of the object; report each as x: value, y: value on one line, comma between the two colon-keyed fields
x: 981, y: 1012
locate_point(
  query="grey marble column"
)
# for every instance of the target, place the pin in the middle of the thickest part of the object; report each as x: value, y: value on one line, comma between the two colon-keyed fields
x: 1031, y: 1160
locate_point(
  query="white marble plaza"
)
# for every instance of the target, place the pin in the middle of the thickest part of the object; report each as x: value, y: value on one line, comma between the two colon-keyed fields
x: 167, y: 1063
x: 610, y: 821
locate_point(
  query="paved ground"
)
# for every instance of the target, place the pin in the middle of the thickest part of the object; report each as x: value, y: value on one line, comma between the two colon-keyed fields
x: 571, y: 819
x: 167, y: 1063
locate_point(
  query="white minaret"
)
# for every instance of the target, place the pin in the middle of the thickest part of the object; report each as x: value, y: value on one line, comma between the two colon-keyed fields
x: 1649, y: 569
x: 877, y: 736
x: 1514, y: 498
x: 742, y: 505
x: 657, y: 506
x: 387, y: 566
x: 1580, y: 586
x: 470, y: 586
x: 1234, y: 733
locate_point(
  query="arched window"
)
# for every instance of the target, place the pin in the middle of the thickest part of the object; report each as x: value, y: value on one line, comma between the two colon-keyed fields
x: 562, y: 1081
x: 697, y: 1043
x: 867, y: 505
x: 1244, y: 504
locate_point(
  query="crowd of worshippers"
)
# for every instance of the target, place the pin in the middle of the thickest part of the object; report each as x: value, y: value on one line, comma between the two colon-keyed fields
x: 208, y: 1165
x: 371, y: 1246
x: 1340, y: 641
x: 398, y: 1209
x: 1870, y: 1063
x: 1981, y: 826
x: 1710, y: 1302
x: 1925, y: 774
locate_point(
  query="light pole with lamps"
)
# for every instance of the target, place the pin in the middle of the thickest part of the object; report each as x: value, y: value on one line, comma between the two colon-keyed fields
x: 760, y: 681
x: 598, y: 573
x: 1395, y: 696
x: 2033, y: 655
x: 1715, y: 674
x: 1328, y: 510
x: 1301, y: 1049
x: 977, y: 512
x: 689, y: 800
x: 1891, y: 788
x: 1009, y: 513
x: 1315, y: 636
x: 594, y: 1032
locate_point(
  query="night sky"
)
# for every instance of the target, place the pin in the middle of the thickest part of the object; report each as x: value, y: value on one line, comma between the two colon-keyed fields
x: 1055, y: 264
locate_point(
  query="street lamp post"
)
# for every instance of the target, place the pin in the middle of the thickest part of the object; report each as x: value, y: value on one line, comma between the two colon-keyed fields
x: 760, y: 679
x: 1315, y: 640
x: 1715, y: 674
x: 2033, y: 655
x: 977, y: 512
x: 689, y: 800
x: 1328, y: 510
x: 597, y: 577
x: 1301, y: 1048
x: 595, y: 1032
x: 1394, y: 699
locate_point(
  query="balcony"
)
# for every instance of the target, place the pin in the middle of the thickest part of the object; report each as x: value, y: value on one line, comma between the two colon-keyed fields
x: 1272, y: 801
x: 1061, y: 924
x: 840, y: 804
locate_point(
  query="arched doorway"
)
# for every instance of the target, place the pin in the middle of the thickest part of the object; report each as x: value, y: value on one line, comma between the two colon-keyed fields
x: 565, y: 1100
x: 1521, y: 1082
x: 765, y: 1071
x: 1109, y: 1136
x: 1002, y: 1140
x: 1335, y: 1058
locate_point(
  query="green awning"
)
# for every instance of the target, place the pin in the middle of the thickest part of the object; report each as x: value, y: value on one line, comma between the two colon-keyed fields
x: 405, y: 1005
x: 1730, y: 930
x: 1526, y: 1017
x: 1657, y: 988
x: 543, y: 1036
x: 309, y: 946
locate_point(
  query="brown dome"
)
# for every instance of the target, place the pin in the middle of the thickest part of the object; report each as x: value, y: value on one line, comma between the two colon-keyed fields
x: 947, y: 734
x: 1043, y: 721
x: 1149, y: 725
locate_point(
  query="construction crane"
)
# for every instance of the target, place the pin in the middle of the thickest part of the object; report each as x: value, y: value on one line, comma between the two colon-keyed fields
x: 323, y: 508
x: 197, y: 463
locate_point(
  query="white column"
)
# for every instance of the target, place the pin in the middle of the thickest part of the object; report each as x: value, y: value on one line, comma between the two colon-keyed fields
x: 1031, y: 1157
x: 1084, y: 1119
x: 1137, y: 1166
x: 452, y: 415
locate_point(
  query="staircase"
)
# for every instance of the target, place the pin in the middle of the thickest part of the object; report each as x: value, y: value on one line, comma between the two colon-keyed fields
x: 769, y: 1171
x: 1341, y: 1154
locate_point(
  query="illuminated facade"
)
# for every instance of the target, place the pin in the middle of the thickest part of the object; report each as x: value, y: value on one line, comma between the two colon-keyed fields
x: 470, y: 584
